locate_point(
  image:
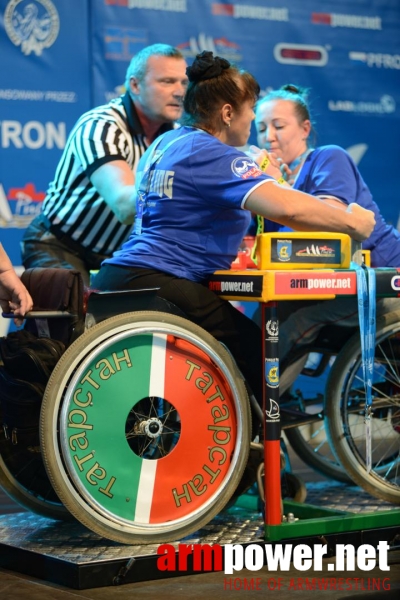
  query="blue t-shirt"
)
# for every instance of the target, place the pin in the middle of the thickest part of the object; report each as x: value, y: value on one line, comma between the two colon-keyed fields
x: 330, y: 171
x: 194, y: 218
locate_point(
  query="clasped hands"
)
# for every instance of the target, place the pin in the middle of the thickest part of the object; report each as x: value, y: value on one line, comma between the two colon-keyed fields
x: 270, y: 163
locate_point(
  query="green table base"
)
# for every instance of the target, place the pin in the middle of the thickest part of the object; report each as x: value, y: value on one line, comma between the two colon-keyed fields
x: 317, y: 521
x: 313, y: 520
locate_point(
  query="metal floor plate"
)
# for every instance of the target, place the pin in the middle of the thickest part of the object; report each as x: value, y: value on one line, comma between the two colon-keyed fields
x: 342, y: 496
x: 70, y: 554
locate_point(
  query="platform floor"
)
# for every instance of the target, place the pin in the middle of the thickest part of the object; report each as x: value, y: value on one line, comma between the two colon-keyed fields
x: 74, y: 542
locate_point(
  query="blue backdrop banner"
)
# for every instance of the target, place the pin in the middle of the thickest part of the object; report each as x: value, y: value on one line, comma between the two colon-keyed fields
x: 65, y: 56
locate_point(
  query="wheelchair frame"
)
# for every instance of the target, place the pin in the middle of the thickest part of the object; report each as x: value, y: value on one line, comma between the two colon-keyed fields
x: 271, y: 443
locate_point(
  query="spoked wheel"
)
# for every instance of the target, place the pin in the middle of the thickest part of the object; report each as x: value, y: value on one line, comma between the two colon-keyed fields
x: 345, y: 408
x: 311, y: 444
x: 310, y: 441
x: 292, y: 487
x: 24, y: 478
x: 145, y: 428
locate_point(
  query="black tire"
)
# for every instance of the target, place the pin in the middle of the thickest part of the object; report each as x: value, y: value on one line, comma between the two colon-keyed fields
x: 293, y: 487
x: 24, y: 478
x: 106, y: 409
x: 311, y: 444
x: 344, y: 409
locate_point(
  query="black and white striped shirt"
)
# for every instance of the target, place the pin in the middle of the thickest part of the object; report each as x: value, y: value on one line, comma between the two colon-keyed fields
x: 72, y: 204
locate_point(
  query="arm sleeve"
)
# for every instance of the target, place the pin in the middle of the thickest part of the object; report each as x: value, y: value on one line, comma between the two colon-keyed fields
x: 224, y: 173
x: 333, y: 174
x: 97, y: 142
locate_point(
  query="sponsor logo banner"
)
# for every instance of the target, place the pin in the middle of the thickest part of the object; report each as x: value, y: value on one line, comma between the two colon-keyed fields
x: 351, y: 21
x: 395, y: 283
x: 272, y: 373
x: 272, y: 329
x: 302, y: 251
x: 386, y: 105
x: 387, y: 282
x: 22, y: 206
x: 376, y: 59
x: 168, y: 5
x: 295, y: 283
x: 218, y: 45
x: 246, y: 11
x: 236, y: 285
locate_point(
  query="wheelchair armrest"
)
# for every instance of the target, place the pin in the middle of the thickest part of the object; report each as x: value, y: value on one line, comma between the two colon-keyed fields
x: 57, y: 303
x: 41, y: 314
x: 102, y: 305
x: 49, y: 314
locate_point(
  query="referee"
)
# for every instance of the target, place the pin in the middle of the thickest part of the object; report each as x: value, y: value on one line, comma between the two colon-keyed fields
x: 90, y: 206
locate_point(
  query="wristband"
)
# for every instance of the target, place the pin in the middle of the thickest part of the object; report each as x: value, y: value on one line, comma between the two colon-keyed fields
x: 264, y: 163
x: 281, y: 180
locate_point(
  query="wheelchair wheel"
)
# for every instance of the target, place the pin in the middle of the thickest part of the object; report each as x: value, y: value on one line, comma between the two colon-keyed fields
x: 145, y: 428
x: 293, y: 488
x: 24, y: 478
x: 311, y: 444
x: 345, y: 403
x: 310, y: 441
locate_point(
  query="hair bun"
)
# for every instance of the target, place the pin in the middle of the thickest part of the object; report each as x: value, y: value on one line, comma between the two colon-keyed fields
x: 206, y: 66
x: 293, y: 89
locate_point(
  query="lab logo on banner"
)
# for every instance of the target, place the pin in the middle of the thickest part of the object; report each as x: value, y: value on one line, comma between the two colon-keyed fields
x: 32, y: 25
x: 386, y: 105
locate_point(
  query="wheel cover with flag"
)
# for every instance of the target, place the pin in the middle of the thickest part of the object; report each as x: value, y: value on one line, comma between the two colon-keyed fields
x: 145, y: 427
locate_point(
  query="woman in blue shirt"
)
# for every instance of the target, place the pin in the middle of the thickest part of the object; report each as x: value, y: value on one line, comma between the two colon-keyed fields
x: 196, y: 192
x: 284, y: 128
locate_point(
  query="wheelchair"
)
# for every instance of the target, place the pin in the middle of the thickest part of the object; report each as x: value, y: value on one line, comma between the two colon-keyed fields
x: 145, y: 422
x: 326, y: 430
x: 303, y: 412
x: 145, y: 425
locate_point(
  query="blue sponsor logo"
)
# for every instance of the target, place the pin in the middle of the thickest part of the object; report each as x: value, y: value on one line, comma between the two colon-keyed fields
x: 121, y: 43
x: 272, y: 373
x: 284, y: 250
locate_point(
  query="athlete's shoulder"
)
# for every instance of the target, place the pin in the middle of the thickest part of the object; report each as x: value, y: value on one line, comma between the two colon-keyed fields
x: 330, y: 149
x: 331, y: 153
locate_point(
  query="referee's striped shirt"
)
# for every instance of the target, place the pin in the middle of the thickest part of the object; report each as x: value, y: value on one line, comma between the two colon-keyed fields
x: 72, y: 204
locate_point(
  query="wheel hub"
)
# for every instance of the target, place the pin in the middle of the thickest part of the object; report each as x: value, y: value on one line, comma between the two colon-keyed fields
x: 151, y: 427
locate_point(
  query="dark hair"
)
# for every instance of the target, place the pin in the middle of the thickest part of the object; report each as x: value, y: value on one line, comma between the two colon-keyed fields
x: 214, y: 81
x: 297, y: 95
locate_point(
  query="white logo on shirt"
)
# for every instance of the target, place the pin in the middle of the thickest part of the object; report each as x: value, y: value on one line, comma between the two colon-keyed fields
x: 244, y: 167
x: 162, y: 182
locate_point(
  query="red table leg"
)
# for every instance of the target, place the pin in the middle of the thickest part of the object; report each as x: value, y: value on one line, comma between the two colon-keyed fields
x: 271, y: 411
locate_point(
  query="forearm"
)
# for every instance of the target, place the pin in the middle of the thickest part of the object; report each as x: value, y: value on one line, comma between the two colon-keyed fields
x: 115, y: 182
x: 319, y: 216
x: 5, y: 263
x: 123, y: 204
x: 14, y: 296
x: 303, y: 212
